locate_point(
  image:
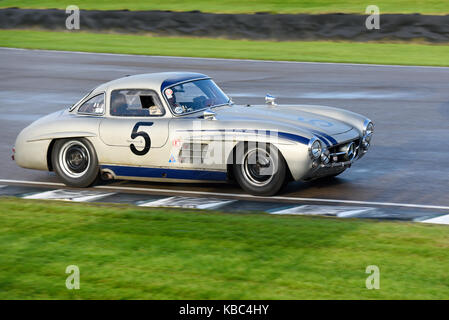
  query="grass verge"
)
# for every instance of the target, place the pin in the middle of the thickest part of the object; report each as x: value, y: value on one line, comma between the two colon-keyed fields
x: 249, y: 6
x: 127, y: 252
x: 314, y: 51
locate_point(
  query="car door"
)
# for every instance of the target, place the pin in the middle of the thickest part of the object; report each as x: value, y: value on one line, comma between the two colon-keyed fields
x: 136, y: 129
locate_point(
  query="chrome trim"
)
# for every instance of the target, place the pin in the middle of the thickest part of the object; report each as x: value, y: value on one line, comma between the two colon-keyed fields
x: 342, y: 152
x: 92, y: 114
x: 325, y: 156
x: 77, y: 104
x: 337, y: 164
x: 270, y: 100
x: 191, y: 112
x: 249, y: 177
x: 365, y: 145
x: 311, y: 142
x: 351, y: 151
x: 208, y: 114
x: 62, y: 159
x: 128, y: 117
x: 337, y: 153
x: 365, y: 124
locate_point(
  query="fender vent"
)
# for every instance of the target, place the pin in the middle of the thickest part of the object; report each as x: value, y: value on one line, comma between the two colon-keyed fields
x: 193, y: 153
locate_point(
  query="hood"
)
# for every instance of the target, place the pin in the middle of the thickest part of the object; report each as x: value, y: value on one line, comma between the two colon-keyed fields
x: 285, y: 116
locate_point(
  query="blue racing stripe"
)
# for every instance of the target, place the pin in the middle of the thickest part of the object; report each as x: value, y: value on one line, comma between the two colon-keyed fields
x: 328, y: 137
x: 325, y: 136
x: 142, y: 172
x: 322, y: 139
x: 294, y: 137
x: 285, y: 135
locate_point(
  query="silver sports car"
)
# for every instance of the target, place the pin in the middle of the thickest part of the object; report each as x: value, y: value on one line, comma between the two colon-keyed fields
x: 180, y: 126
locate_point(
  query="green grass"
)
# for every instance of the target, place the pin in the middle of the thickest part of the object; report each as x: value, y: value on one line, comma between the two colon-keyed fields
x: 126, y: 252
x: 248, y: 6
x: 320, y: 51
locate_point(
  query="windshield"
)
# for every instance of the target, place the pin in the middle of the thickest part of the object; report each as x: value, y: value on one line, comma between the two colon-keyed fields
x: 194, y: 96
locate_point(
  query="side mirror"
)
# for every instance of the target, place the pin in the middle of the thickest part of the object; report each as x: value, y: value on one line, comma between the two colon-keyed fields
x: 208, y: 114
x: 270, y: 100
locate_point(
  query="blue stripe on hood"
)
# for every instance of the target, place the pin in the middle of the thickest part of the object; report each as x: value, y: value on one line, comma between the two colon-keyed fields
x: 326, y: 136
x: 285, y: 135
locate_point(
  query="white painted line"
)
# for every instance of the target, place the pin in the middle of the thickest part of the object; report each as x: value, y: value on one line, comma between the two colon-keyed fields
x: 186, y: 202
x: 439, y: 220
x: 247, y: 196
x: 356, y: 212
x: 341, y: 212
x: 237, y: 195
x: 33, y: 183
x: 224, y: 59
x: 68, y: 195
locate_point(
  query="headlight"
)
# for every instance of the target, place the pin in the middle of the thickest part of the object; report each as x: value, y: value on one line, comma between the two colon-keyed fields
x: 325, y: 156
x: 315, y: 148
x: 367, y: 134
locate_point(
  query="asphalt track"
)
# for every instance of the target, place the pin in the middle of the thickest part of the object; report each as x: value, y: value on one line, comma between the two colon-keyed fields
x: 408, y: 163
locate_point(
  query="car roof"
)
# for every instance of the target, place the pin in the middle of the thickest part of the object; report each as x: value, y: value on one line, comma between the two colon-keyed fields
x: 154, y: 81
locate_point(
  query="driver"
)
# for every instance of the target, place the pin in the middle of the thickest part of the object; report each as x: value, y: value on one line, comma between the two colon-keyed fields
x: 202, y: 102
x: 119, y: 106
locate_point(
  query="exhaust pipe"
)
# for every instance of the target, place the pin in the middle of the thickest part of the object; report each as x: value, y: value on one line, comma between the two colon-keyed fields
x: 105, y: 175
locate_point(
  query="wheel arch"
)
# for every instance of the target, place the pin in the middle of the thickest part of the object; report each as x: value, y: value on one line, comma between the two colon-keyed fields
x: 231, y: 160
x: 49, y: 153
x: 63, y: 137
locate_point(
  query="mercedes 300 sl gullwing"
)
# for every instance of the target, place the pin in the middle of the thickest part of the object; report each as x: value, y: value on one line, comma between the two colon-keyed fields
x: 180, y: 126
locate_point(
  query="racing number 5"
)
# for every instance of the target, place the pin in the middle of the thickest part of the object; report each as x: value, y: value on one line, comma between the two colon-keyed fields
x: 142, y: 134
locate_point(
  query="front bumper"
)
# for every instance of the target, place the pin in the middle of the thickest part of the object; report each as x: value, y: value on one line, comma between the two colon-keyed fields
x: 338, y: 161
x: 343, y: 164
x: 326, y: 170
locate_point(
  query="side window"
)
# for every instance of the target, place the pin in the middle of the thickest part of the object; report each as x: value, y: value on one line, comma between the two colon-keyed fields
x: 94, y: 105
x: 136, y: 103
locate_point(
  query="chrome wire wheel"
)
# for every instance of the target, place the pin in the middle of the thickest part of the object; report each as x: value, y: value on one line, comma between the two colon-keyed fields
x: 258, y: 167
x: 74, y: 159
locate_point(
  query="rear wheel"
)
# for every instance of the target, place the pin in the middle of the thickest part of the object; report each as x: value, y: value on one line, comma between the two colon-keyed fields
x: 260, y: 170
x: 75, y: 162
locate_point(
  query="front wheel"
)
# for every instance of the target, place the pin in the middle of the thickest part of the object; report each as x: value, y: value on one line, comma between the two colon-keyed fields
x: 75, y: 162
x: 260, y: 170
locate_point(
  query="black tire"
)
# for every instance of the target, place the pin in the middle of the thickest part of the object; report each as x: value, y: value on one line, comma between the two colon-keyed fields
x: 75, y: 162
x: 251, y: 177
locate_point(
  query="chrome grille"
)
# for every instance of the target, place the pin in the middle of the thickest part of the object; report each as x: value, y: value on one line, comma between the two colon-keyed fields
x: 338, y: 152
